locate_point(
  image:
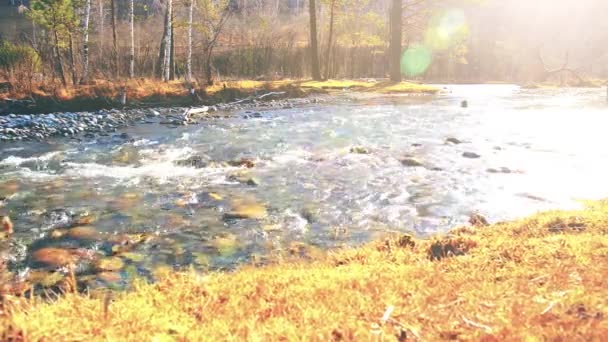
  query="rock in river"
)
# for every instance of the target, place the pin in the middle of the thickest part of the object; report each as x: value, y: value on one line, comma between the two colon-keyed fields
x: 83, y: 233
x: 477, y: 220
x: 471, y: 155
x: 454, y: 141
x: 109, y: 264
x: 246, y: 210
x: 359, y: 150
x: 412, y: 162
x: 196, y: 162
x: 7, y: 225
x: 55, y: 257
x: 248, y: 163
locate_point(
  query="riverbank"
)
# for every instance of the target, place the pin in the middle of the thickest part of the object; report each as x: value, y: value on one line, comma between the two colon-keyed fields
x: 538, y: 278
x: 146, y: 93
x: 96, y: 109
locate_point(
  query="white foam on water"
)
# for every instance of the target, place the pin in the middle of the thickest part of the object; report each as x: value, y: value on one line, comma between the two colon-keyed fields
x: 17, y: 161
x: 299, y: 156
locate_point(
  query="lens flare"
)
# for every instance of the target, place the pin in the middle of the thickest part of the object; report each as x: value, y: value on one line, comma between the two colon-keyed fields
x: 416, y: 60
x: 446, y: 30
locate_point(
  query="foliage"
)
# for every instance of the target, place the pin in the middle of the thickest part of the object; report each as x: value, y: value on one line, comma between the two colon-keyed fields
x: 358, y: 26
x: 14, y: 57
x: 56, y: 15
x: 19, y: 63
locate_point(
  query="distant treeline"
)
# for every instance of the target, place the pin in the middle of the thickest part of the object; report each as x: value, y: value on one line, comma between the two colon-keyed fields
x: 72, y: 42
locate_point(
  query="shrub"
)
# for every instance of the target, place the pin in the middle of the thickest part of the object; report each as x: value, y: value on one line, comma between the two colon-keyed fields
x: 19, y: 63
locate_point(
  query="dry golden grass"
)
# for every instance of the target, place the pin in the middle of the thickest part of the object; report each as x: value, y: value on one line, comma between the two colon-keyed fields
x: 540, y: 278
x: 147, y: 89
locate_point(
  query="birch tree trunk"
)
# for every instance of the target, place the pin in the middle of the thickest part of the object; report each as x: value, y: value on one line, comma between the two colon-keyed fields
x: 132, y: 52
x: 189, y: 57
x: 166, y: 66
x: 115, y: 40
x: 172, y: 55
x: 87, y: 15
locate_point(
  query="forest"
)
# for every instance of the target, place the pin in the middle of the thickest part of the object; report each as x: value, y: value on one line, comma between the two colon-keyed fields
x: 72, y: 42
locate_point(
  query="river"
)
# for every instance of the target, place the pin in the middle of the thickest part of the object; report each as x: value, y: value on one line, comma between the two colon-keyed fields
x: 335, y: 173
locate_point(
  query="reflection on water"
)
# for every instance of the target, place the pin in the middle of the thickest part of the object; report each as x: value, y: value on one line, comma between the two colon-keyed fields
x: 216, y: 193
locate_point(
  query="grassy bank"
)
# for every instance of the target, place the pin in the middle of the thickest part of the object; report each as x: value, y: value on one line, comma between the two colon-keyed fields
x: 539, y: 278
x: 145, y: 93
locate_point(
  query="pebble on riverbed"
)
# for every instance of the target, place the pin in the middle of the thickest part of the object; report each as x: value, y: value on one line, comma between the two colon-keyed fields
x: 7, y: 225
x: 15, y: 127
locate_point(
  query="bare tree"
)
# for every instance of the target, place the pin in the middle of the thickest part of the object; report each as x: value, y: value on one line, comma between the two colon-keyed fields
x: 396, y: 33
x: 330, y: 38
x: 87, y: 14
x: 189, y: 57
x: 216, y: 15
x: 101, y: 30
x: 132, y: 29
x: 314, y: 46
x: 115, y: 40
x: 166, y: 62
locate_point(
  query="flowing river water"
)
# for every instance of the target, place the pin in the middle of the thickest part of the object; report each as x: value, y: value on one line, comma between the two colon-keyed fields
x: 339, y: 172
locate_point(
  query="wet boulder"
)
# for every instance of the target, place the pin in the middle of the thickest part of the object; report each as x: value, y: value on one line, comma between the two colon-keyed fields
x: 126, y: 155
x: 246, y: 210
x: 243, y: 177
x: 453, y: 141
x: 83, y: 233
x: 411, y: 162
x: 54, y: 257
x: 57, y: 218
x: 110, y: 264
x: 243, y: 162
x: 478, y: 220
x: 197, y: 162
x: 359, y: 150
x: 7, y: 225
x: 471, y: 155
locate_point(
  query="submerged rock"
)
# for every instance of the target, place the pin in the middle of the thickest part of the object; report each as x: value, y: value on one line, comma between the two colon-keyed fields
x: 225, y: 244
x: 246, y: 210
x: 453, y: 141
x: 9, y: 188
x: 248, y: 163
x: 411, y: 162
x: 196, y: 162
x: 109, y: 264
x: 57, y: 218
x: 83, y: 233
x: 126, y: 155
x: 7, y: 225
x: 359, y: 150
x: 471, y: 155
x: 501, y: 170
x: 55, y: 257
x: 244, y: 178
x: 109, y: 277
